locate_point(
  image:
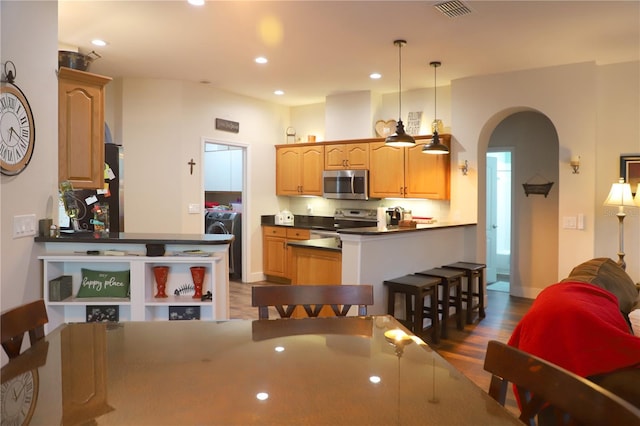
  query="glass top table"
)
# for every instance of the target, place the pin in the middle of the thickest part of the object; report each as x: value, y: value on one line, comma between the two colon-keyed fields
x: 317, y: 371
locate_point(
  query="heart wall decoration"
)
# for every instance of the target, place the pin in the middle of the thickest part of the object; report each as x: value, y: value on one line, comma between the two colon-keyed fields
x: 385, y: 128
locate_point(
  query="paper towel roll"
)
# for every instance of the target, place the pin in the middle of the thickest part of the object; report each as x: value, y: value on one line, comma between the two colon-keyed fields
x: 382, y: 218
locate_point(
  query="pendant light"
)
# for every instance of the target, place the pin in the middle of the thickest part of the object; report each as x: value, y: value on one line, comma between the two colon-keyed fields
x: 400, y: 138
x: 435, y: 147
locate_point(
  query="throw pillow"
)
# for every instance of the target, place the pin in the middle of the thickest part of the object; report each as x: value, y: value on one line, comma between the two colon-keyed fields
x: 104, y: 283
x: 605, y: 273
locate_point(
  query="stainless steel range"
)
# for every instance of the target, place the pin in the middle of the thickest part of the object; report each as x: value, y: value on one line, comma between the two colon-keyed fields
x: 347, y: 218
x: 355, y: 218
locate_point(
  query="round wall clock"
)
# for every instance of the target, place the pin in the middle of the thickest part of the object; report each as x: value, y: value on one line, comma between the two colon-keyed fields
x: 17, y: 128
x: 19, y: 398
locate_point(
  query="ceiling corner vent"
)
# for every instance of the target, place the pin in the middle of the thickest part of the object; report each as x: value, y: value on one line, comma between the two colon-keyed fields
x: 453, y: 8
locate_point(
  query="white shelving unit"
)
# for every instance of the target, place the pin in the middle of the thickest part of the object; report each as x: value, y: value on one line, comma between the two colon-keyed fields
x: 141, y: 305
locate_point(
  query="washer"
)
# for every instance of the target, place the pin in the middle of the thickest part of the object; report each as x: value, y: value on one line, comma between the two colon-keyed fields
x: 228, y: 223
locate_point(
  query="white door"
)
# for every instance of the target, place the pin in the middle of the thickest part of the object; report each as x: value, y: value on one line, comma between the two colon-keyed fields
x: 492, y: 221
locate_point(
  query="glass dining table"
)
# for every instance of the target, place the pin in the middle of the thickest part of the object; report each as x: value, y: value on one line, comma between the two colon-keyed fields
x: 315, y: 371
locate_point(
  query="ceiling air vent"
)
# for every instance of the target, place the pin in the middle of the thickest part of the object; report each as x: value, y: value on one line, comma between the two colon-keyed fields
x: 453, y: 8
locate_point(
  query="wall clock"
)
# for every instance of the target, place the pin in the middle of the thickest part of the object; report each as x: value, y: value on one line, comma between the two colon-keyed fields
x: 19, y: 397
x: 17, y: 128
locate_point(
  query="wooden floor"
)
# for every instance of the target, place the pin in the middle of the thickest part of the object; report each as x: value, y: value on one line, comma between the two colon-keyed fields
x: 463, y: 349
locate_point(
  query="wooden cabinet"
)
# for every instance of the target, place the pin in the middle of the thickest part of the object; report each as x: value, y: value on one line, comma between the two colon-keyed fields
x: 299, y: 170
x: 315, y: 266
x: 346, y: 156
x: 81, y: 128
x: 408, y: 173
x: 276, y: 255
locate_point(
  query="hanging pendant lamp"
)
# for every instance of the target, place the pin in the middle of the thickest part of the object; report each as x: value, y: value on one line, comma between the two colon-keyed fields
x: 400, y: 138
x: 435, y: 147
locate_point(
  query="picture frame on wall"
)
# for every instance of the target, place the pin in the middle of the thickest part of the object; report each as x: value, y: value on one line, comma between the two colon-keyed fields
x: 630, y: 170
x: 103, y: 313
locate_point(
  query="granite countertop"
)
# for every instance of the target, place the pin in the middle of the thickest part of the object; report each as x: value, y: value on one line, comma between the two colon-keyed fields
x: 373, y: 230
x: 139, y: 238
x: 332, y: 244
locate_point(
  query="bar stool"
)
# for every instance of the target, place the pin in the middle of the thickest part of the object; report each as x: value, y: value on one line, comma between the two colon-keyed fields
x: 472, y: 271
x: 448, y: 279
x: 416, y: 289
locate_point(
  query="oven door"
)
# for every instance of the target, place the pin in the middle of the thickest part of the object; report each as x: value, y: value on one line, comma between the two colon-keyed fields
x: 346, y: 184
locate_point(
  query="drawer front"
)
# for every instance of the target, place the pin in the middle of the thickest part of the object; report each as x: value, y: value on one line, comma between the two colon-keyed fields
x: 275, y: 231
x: 298, y: 234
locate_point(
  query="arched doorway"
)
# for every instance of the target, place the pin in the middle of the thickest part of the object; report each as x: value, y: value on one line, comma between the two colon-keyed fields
x: 533, y: 254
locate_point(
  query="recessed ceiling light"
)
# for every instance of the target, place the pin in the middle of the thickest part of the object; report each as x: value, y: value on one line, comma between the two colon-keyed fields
x: 375, y: 76
x: 98, y: 42
x: 278, y: 92
x: 196, y: 2
x: 261, y: 60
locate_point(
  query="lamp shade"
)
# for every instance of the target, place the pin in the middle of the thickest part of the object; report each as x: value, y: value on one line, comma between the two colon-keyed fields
x: 400, y: 138
x: 620, y: 195
x: 435, y: 146
x: 637, y: 199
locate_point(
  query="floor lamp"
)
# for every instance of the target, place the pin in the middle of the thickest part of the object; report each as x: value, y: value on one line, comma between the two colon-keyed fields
x: 620, y: 196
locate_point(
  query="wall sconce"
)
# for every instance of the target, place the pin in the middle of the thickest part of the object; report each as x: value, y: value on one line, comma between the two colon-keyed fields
x: 575, y: 164
x: 464, y: 167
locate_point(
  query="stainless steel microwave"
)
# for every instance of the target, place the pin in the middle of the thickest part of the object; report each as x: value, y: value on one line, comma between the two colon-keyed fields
x: 346, y: 184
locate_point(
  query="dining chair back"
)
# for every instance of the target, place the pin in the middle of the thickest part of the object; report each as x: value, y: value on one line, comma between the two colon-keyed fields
x: 285, y: 298
x: 539, y: 385
x: 14, y: 323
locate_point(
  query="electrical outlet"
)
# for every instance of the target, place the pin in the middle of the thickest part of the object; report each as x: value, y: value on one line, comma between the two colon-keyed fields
x: 24, y: 225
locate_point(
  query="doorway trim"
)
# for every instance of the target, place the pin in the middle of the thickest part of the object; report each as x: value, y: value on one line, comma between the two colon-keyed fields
x: 246, y: 208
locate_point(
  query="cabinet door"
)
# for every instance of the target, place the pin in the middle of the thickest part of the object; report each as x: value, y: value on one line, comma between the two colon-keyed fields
x: 386, y: 176
x: 288, y: 171
x: 218, y: 171
x: 357, y: 156
x: 312, y: 165
x: 426, y: 175
x: 81, y: 128
x: 236, y: 170
x: 334, y: 157
x: 274, y: 251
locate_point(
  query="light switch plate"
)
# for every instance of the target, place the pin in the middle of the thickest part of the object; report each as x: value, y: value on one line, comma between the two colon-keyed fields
x: 194, y: 208
x: 24, y: 225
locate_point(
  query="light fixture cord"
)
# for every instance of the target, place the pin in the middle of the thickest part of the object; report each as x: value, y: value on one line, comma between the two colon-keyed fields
x: 400, y: 80
x: 435, y: 95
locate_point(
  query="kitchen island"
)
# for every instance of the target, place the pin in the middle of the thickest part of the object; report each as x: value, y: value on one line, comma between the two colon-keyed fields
x: 68, y: 261
x: 371, y: 256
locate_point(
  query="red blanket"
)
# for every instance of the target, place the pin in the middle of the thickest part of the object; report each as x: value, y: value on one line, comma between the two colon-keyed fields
x: 578, y: 326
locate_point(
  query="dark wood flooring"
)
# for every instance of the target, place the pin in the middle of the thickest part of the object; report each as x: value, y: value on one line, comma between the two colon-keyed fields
x: 464, y: 349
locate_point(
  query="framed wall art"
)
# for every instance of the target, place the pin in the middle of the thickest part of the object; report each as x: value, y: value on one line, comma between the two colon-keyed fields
x: 630, y: 170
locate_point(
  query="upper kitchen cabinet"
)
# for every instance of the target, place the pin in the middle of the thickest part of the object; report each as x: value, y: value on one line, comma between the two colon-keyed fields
x: 223, y: 168
x: 299, y: 169
x: 346, y: 156
x: 408, y: 173
x: 81, y: 128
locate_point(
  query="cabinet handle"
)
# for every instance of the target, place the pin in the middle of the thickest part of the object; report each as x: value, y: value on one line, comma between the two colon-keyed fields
x: 405, y: 191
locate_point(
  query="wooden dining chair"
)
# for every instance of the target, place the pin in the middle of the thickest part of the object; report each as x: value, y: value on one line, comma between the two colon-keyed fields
x: 571, y: 399
x: 285, y: 298
x: 14, y: 323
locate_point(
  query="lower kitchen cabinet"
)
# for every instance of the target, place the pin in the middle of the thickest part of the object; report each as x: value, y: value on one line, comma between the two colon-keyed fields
x: 141, y: 304
x: 276, y: 255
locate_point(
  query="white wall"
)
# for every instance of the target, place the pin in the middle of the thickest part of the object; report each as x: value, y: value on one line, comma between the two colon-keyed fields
x: 163, y: 124
x: 571, y: 97
x: 34, y: 191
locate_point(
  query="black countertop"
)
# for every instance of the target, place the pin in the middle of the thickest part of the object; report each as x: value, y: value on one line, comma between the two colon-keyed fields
x: 302, y: 221
x: 136, y: 238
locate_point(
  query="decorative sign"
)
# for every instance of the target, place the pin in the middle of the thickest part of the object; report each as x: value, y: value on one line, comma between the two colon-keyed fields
x: 413, y: 123
x: 227, y: 125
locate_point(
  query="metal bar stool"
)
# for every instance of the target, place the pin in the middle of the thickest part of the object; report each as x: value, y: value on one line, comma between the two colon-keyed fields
x: 448, y: 279
x: 472, y: 271
x: 416, y: 289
